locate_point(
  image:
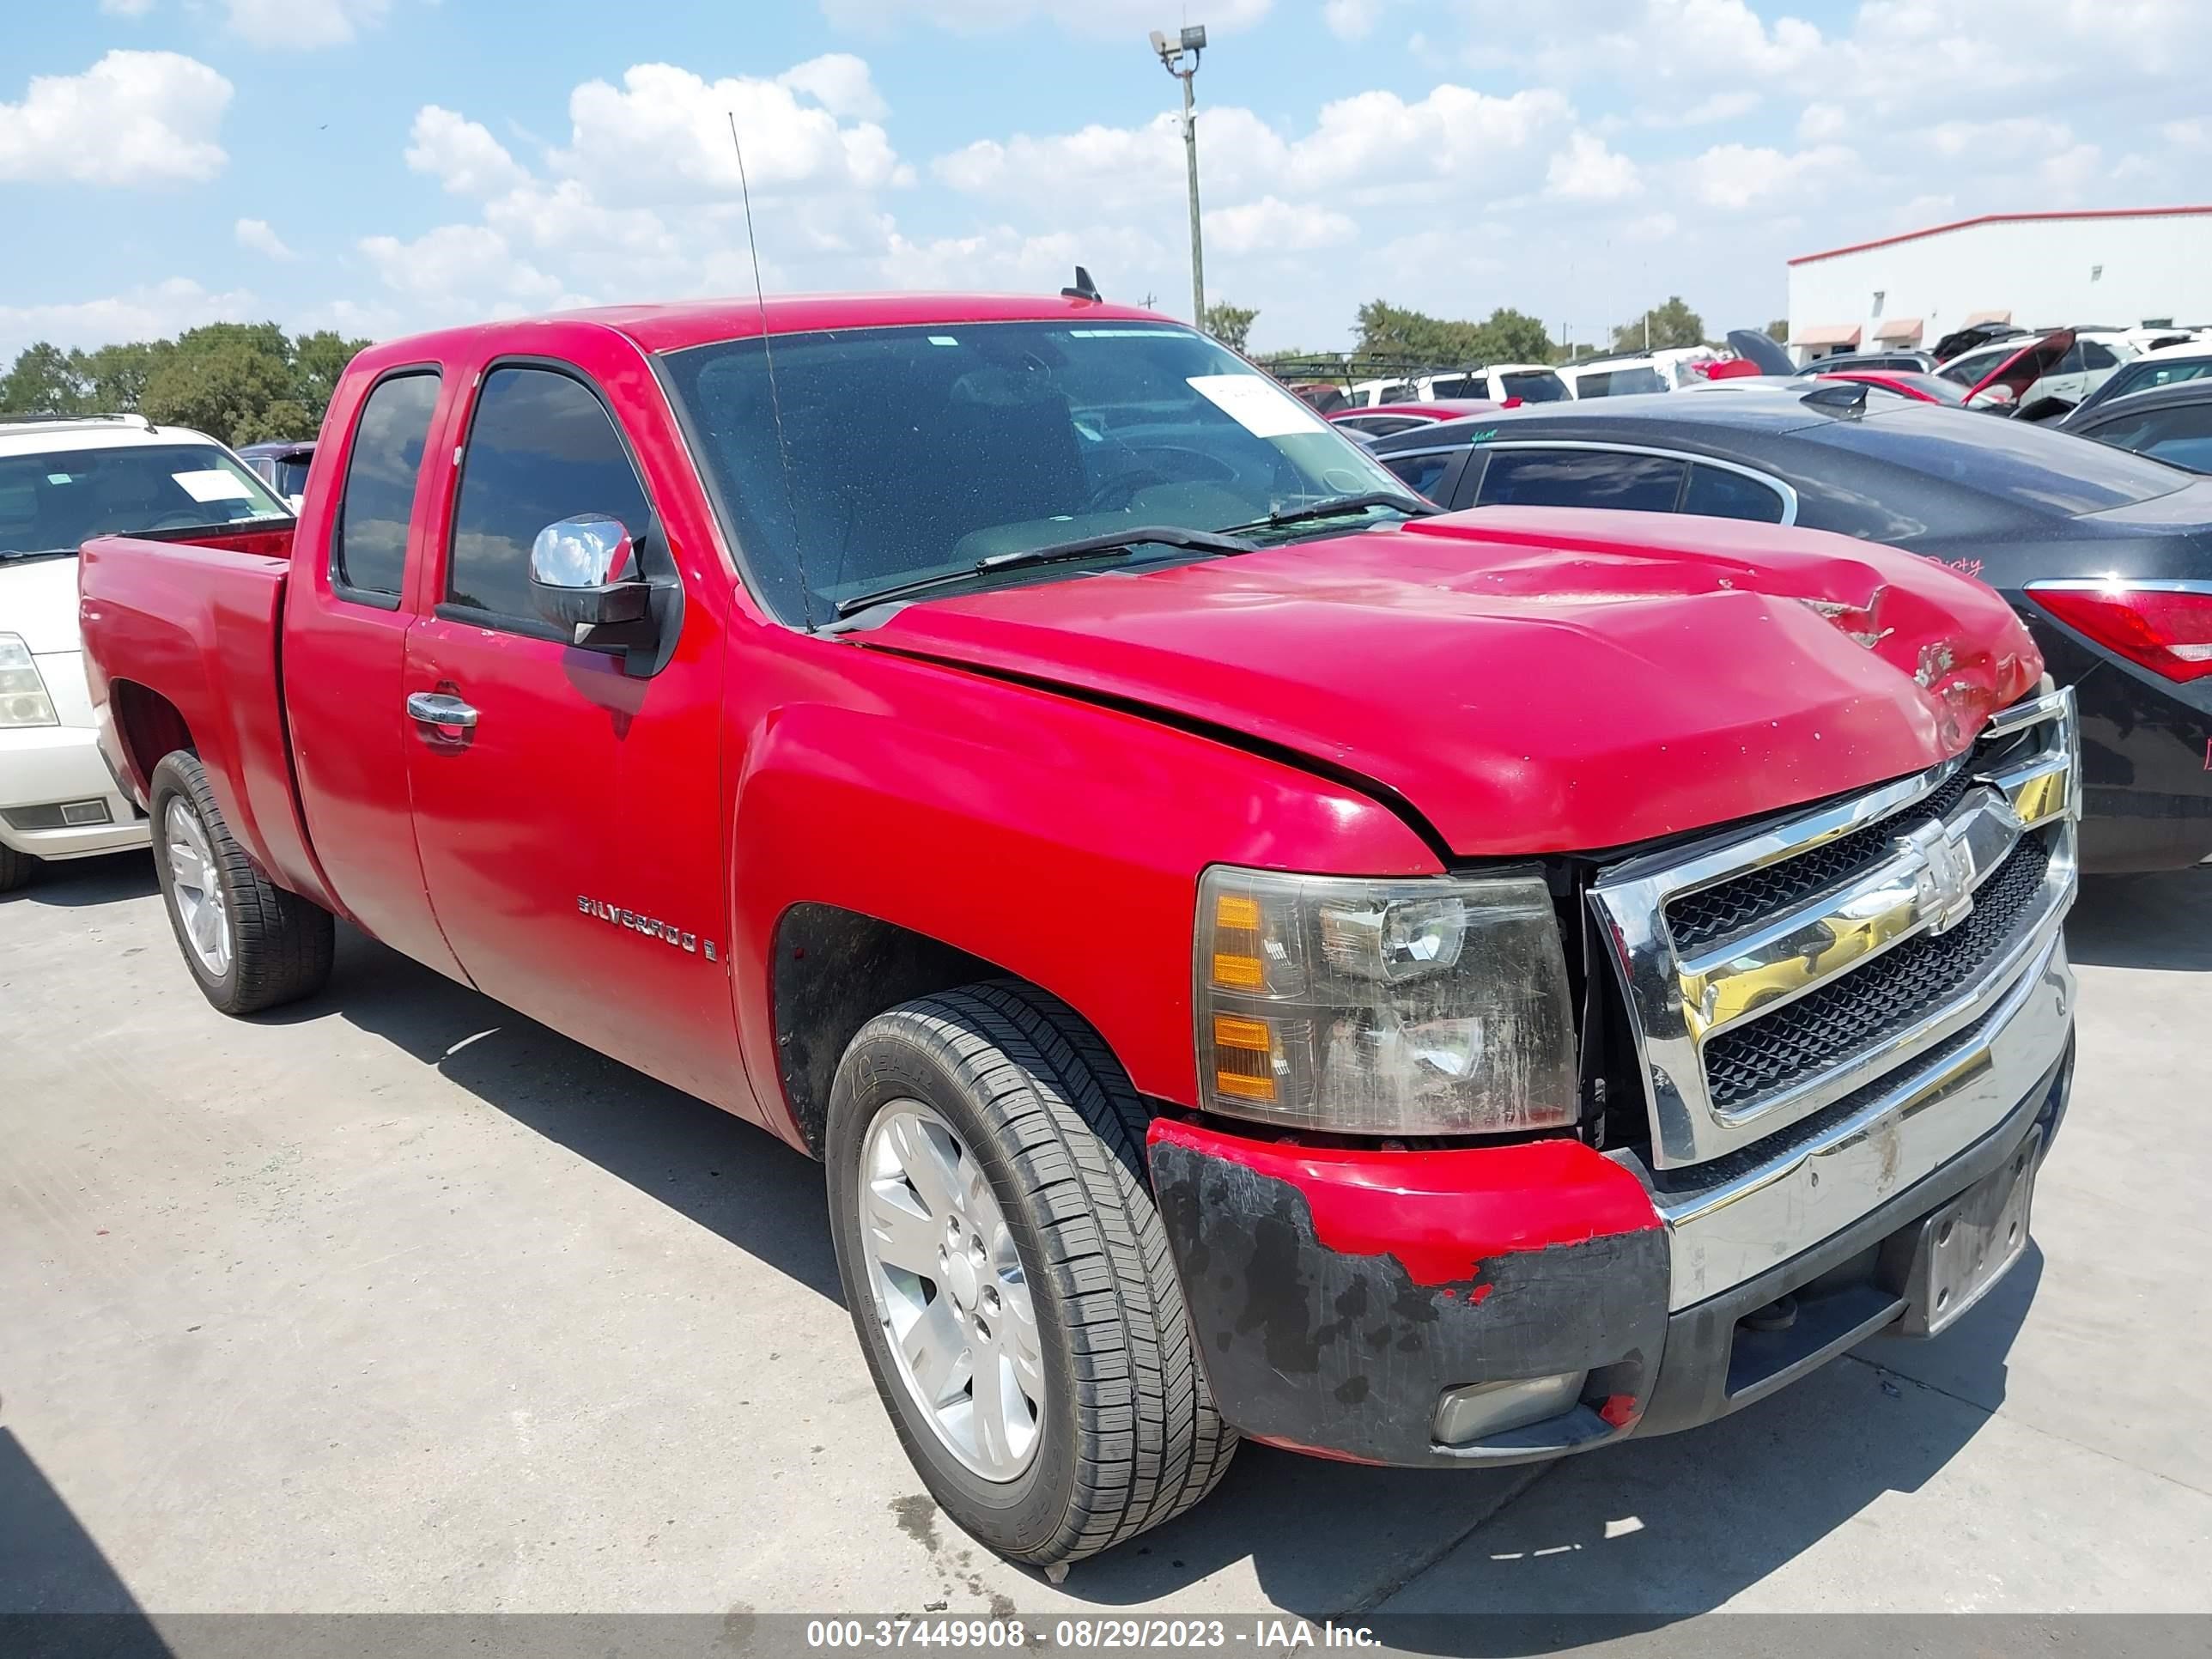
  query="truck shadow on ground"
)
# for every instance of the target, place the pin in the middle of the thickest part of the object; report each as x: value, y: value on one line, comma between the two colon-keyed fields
x: 728, y: 1175
x: 2161, y: 921
x: 58, y: 1592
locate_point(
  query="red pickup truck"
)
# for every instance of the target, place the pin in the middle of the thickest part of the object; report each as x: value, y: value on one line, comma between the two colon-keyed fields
x: 1255, y: 956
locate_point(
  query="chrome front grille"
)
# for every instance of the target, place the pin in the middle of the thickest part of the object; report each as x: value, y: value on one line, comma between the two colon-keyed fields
x: 1771, y: 972
x: 1855, y: 1011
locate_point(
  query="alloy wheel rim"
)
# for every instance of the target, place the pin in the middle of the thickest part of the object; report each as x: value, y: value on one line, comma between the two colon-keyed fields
x: 194, y: 887
x: 950, y: 1291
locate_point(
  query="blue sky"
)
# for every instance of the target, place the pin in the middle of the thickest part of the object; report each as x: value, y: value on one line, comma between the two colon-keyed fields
x: 380, y: 166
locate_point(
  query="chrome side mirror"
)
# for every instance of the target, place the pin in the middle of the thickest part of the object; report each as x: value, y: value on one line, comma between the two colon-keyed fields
x: 584, y: 575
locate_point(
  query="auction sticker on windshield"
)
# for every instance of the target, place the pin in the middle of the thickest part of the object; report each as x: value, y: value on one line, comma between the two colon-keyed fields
x: 1257, y: 406
x: 212, y: 484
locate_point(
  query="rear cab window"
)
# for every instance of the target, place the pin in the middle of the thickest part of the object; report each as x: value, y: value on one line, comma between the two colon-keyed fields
x: 368, y: 542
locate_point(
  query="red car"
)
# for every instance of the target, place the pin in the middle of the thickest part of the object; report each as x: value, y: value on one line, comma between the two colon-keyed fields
x: 1905, y: 383
x: 1253, y: 955
x: 1384, y: 419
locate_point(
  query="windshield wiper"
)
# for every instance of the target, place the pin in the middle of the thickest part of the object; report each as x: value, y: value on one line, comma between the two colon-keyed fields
x: 1405, y: 502
x: 1119, y: 542
x: 35, y: 552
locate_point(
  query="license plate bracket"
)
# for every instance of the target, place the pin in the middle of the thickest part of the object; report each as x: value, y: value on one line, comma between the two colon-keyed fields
x: 1949, y: 1261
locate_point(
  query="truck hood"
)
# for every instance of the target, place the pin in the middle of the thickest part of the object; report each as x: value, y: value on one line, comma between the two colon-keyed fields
x: 38, y: 600
x: 1525, y: 680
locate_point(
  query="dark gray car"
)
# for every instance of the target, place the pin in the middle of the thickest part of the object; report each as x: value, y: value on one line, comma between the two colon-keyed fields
x: 2107, y: 556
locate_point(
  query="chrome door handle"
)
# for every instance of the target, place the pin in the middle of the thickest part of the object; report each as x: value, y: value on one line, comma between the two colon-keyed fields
x: 436, y: 709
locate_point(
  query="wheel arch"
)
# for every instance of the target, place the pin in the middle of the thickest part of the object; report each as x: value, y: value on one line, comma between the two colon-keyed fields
x: 148, y: 726
x: 833, y: 969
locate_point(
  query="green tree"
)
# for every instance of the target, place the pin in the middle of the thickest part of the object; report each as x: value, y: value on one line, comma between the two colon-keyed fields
x: 44, y: 380
x: 318, y: 359
x: 1671, y: 325
x: 286, y: 418
x: 1230, y: 324
x: 1511, y: 336
x: 116, y: 375
x: 1507, y: 336
x: 220, y: 377
x: 1779, y: 330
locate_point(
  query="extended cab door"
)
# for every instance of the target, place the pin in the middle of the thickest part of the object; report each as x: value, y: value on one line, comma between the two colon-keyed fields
x: 569, y: 813
x: 358, y: 553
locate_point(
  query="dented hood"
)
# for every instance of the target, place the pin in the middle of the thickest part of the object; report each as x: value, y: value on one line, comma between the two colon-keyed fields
x: 1530, y: 680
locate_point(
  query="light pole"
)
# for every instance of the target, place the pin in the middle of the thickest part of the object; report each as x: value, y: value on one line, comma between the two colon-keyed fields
x: 1173, y: 54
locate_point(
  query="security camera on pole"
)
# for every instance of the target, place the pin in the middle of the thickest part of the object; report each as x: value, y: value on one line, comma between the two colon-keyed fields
x: 1180, y: 59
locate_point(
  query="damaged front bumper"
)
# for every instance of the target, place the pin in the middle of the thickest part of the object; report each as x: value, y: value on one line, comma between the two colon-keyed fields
x: 1417, y: 1308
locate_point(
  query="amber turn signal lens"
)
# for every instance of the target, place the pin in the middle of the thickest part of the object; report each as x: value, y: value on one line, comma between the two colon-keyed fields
x: 1238, y: 973
x: 1232, y: 910
x: 1232, y: 1032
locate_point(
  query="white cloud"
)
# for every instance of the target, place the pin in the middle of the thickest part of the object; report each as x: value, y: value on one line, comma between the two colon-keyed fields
x: 1736, y: 176
x: 460, y: 154
x: 1819, y: 123
x: 146, y: 312
x: 126, y: 8
x: 134, y: 118
x: 1352, y: 20
x: 665, y: 135
x: 303, y: 25
x: 1375, y: 145
x: 1273, y: 226
x: 2191, y: 134
x: 256, y: 236
x: 1586, y: 171
x: 447, y: 270
x: 840, y: 82
x: 1712, y: 107
x: 1093, y: 17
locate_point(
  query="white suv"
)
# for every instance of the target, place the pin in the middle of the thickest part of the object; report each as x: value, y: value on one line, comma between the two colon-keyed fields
x: 62, y: 481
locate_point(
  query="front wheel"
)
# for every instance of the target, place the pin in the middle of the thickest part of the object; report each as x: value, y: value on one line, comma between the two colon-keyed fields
x: 250, y: 945
x: 15, y: 869
x: 1009, y: 1277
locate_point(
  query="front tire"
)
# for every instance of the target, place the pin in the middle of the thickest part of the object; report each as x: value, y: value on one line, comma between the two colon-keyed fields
x: 15, y: 869
x: 250, y: 943
x: 991, y: 1120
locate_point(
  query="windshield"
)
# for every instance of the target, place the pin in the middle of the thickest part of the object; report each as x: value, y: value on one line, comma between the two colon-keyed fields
x: 1534, y: 385
x: 56, y: 500
x: 909, y: 452
x: 1619, y: 382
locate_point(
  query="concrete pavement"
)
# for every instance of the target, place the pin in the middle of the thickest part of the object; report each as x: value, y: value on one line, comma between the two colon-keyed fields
x: 395, y: 1301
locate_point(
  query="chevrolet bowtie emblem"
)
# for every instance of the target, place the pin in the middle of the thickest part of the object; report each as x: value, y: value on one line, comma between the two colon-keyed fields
x: 1943, y: 881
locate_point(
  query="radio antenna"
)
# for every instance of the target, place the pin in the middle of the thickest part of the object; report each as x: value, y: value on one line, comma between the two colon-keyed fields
x: 775, y: 402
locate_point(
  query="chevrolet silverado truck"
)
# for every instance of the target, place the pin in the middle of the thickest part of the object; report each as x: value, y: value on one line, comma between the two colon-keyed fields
x: 1255, y: 956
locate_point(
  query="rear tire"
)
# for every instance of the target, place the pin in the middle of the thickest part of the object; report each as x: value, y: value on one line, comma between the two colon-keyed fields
x: 15, y: 869
x: 1033, y: 1115
x: 250, y: 943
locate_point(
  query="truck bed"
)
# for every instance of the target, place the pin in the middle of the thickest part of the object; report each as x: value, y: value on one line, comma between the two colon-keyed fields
x: 185, y: 630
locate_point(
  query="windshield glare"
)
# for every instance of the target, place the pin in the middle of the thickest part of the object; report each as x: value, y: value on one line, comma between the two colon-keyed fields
x: 907, y: 452
x: 54, y: 501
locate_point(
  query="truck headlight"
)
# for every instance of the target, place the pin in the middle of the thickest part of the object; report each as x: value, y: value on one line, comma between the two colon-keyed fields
x: 23, y: 699
x: 1426, y: 1006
